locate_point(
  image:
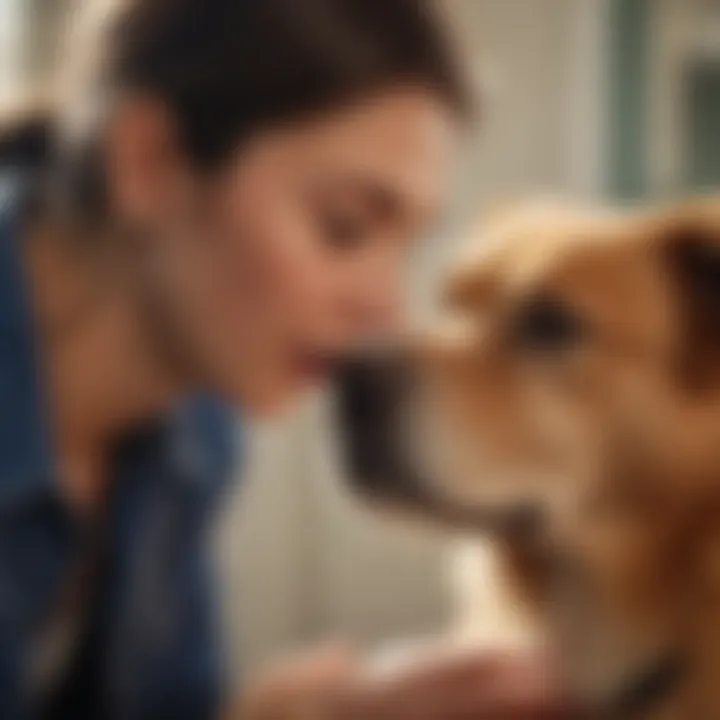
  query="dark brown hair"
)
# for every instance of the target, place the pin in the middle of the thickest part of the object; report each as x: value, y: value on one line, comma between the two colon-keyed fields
x: 229, y: 68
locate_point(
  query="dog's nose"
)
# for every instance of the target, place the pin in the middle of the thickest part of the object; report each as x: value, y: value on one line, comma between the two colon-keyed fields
x: 371, y: 394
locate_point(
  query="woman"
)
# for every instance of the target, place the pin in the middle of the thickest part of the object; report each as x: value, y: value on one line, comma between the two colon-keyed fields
x: 228, y: 216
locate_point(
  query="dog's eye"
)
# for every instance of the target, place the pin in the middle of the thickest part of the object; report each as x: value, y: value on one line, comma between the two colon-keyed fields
x: 545, y: 324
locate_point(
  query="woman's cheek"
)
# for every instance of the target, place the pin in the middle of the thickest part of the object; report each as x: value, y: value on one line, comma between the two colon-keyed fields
x: 301, y: 278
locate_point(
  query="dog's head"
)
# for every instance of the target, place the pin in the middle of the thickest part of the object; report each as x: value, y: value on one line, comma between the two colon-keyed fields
x: 570, y: 402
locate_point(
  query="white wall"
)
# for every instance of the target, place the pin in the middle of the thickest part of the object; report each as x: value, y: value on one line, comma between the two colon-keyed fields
x: 301, y: 561
x: 9, y: 48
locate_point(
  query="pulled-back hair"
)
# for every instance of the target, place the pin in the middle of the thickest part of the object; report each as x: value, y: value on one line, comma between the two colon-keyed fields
x: 226, y: 69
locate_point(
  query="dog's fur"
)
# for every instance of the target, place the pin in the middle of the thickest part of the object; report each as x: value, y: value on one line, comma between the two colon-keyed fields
x: 577, y: 377
x: 582, y: 379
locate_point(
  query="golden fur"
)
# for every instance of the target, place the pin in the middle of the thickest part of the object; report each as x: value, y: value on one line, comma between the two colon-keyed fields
x: 615, y: 438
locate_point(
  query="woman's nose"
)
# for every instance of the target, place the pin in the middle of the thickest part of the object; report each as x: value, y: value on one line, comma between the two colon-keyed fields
x: 377, y: 307
x: 375, y: 319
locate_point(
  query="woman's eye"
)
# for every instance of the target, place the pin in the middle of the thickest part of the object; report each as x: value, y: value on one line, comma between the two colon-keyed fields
x: 344, y: 231
x: 545, y: 324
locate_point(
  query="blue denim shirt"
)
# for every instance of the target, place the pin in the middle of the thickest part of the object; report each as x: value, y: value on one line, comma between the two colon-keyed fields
x: 151, y: 648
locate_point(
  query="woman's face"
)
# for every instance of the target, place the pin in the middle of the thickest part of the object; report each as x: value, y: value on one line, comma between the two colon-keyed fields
x: 264, y: 274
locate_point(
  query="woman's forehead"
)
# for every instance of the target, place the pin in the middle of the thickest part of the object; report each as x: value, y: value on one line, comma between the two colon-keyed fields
x: 404, y: 145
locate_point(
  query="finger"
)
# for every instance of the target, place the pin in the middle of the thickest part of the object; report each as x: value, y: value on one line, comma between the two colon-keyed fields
x: 453, y: 670
x: 325, y: 666
x: 526, y: 679
x: 518, y: 691
x: 298, y: 688
x: 429, y: 690
x: 471, y: 687
x: 529, y: 687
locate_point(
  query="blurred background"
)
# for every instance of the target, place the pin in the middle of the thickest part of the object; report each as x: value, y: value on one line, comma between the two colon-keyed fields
x: 614, y: 100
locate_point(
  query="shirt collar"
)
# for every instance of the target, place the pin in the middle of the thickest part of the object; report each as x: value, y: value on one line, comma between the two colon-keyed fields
x: 200, y: 441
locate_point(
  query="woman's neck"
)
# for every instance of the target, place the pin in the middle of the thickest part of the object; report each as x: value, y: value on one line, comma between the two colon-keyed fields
x: 103, y: 374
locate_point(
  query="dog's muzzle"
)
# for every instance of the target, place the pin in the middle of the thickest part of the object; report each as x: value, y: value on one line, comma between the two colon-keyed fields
x: 374, y: 396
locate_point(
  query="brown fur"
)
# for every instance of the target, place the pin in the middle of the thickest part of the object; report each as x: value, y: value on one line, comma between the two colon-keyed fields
x: 616, y: 437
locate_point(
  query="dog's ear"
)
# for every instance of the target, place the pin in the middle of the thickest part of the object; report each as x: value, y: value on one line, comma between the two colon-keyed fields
x: 692, y: 251
x: 466, y: 286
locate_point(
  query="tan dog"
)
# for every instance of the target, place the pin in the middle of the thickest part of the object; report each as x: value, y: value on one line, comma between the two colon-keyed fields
x: 570, y: 405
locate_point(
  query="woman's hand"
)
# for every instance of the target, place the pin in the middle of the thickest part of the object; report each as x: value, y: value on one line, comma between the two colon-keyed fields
x: 330, y: 686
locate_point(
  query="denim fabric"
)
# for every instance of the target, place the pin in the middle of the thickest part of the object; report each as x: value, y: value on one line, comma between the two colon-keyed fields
x: 151, y: 647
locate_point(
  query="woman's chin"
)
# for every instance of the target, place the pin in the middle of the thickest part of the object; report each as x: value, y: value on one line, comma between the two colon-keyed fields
x: 272, y: 403
x: 271, y: 397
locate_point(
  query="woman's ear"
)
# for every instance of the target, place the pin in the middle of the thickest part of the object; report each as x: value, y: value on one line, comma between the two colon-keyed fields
x: 146, y: 168
x: 692, y: 251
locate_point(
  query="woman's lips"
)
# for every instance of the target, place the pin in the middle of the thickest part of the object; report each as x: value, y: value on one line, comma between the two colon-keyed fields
x: 313, y: 367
